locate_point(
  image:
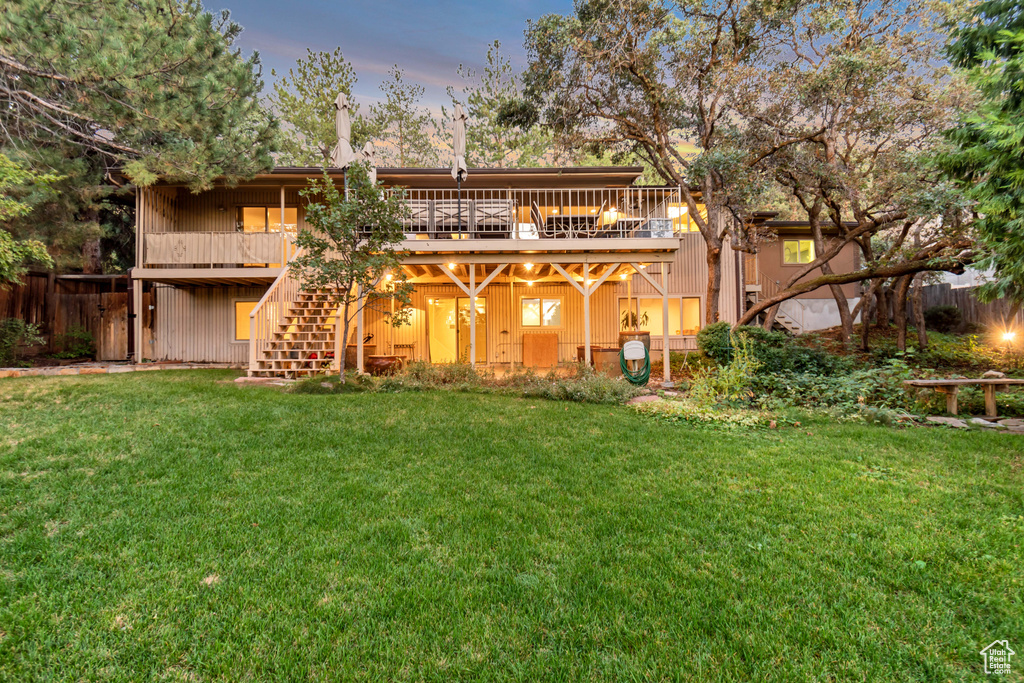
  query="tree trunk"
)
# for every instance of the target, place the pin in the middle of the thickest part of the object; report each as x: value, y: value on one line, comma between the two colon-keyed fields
x: 344, y: 343
x: 92, y: 257
x: 845, y: 317
x: 899, y: 293
x: 714, y: 261
x: 917, y: 299
x: 869, y: 310
x: 769, y: 317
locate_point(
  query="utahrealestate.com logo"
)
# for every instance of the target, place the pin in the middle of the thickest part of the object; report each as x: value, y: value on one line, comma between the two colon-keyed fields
x: 997, y: 657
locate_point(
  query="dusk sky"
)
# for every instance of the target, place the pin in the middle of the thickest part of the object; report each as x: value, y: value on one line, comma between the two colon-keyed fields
x: 427, y: 39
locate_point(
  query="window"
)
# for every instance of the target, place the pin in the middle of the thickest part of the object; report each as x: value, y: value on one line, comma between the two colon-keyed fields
x: 681, y: 219
x: 683, y: 315
x: 541, y: 312
x: 797, y: 251
x: 242, y: 311
x: 267, y: 219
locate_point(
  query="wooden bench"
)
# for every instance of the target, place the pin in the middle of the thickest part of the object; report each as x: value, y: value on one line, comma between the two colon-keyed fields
x: 950, y: 387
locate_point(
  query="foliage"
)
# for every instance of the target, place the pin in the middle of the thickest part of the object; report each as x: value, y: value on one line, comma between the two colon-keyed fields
x: 403, y: 126
x: 631, y: 321
x: 849, y: 391
x: 943, y: 318
x: 730, y: 383
x: 349, y: 246
x: 696, y: 413
x: 304, y: 100
x: 14, y: 334
x: 156, y: 85
x: 774, y: 351
x: 491, y: 143
x: 77, y: 342
x: 988, y: 153
x: 16, y: 254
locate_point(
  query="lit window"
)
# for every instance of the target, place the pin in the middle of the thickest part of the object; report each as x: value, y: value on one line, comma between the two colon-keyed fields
x: 542, y: 312
x: 268, y: 219
x: 242, y: 311
x: 647, y: 315
x: 797, y: 251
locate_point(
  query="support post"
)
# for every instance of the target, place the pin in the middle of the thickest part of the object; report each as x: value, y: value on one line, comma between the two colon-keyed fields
x: 284, y: 240
x: 512, y: 318
x: 667, y: 369
x: 359, y: 330
x: 472, y: 312
x: 137, y: 321
x: 586, y: 313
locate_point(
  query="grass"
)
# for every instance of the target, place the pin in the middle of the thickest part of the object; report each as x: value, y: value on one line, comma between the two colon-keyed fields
x: 175, y: 526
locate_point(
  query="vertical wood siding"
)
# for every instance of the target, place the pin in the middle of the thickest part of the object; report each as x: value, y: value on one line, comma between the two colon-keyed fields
x: 197, y: 324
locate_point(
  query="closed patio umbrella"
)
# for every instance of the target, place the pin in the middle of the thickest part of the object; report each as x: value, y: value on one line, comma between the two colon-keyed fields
x: 459, y: 147
x: 370, y: 157
x: 342, y: 155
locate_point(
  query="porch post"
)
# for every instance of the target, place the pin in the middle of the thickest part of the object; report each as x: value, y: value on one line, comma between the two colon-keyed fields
x: 512, y: 317
x: 667, y: 369
x: 284, y: 239
x: 137, y: 322
x: 359, y: 330
x: 472, y: 314
x: 586, y: 313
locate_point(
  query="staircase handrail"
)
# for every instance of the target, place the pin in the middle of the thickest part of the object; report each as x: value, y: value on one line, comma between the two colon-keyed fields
x: 269, y: 312
x: 770, y: 287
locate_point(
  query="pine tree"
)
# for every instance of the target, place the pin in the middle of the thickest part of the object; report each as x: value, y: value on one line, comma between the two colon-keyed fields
x: 155, y: 86
x: 402, y: 125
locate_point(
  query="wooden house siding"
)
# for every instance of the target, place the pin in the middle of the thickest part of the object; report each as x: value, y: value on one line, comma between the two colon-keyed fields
x: 197, y: 324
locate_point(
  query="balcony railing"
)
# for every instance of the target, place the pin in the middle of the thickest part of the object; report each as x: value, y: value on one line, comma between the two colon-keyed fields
x: 545, y: 214
x: 213, y: 249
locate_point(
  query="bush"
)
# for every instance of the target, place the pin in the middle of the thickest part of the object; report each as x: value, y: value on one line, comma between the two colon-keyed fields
x: 774, y: 351
x: 14, y: 334
x: 77, y: 342
x: 943, y: 318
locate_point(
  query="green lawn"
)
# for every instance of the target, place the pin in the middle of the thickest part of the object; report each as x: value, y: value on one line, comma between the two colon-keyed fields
x: 175, y: 526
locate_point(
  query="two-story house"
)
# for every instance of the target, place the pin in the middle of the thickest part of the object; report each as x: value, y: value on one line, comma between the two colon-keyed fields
x: 522, y: 266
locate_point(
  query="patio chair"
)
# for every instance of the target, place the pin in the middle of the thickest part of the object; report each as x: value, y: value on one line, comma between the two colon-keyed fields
x: 420, y: 218
x: 446, y: 217
x: 557, y: 230
x: 492, y: 218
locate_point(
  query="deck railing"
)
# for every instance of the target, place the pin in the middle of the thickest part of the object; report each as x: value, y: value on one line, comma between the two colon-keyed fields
x: 212, y: 249
x: 629, y: 212
x: 268, y: 315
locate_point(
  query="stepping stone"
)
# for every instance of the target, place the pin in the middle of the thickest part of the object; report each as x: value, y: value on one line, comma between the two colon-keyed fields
x: 982, y: 422
x: 1012, y: 422
x: 948, y: 421
x: 642, y: 399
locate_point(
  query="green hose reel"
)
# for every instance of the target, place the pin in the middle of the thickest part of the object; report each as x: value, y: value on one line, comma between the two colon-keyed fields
x: 633, y: 351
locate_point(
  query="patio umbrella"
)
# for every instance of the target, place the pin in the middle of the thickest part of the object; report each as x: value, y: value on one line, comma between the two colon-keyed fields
x: 342, y: 155
x: 459, y: 146
x: 370, y: 157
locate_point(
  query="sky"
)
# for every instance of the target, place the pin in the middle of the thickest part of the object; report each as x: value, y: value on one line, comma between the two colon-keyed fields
x: 428, y: 40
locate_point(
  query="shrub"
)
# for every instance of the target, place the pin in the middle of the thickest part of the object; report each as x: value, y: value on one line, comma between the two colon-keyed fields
x: 77, y: 342
x: 774, y: 351
x: 15, y: 334
x: 943, y: 318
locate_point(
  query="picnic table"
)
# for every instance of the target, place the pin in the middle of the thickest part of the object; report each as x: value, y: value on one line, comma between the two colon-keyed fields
x: 950, y: 387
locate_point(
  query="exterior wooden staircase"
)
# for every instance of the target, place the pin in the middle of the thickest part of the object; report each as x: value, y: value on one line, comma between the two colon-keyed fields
x: 759, y: 286
x: 303, y: 342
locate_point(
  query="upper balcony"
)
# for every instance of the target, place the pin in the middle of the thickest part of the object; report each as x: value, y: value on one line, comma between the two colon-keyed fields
x: 245, y: 234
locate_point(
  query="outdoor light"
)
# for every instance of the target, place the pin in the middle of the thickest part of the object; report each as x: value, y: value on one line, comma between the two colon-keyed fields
x: 624, y: 276
x: 451, y: 266
x: 530, y: 282
x: 528, y: 266
x: 1008, y: 336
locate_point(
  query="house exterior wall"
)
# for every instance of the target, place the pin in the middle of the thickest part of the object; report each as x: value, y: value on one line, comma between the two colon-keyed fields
x: 197, y: 324
x: 771, y: 265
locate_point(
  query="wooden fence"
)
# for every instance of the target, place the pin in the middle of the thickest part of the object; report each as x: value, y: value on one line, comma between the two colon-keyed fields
x: 995, y: 313
x: 58, y: 303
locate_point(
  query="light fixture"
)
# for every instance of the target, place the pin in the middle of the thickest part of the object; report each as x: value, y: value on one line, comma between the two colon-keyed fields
x: 528, y: 266
x: 643, y: 266
x: 623, y: 276
x: 451, y: 266
x: 1009, y: 336
x: 388, y: 276
x: 593, y: 211
x: 554, y: 210
x: 530, y: 283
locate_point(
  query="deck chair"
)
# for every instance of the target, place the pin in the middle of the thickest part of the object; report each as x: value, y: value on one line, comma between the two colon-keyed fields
x: 492, y: 218
x: 420, y: 217
x: 446, y: 217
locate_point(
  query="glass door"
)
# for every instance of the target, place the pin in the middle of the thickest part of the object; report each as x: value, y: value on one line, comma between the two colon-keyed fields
x: 448, y: 329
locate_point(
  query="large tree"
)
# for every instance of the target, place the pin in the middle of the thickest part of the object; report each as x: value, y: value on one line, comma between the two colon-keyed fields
x: 645, y: 76
x: 863, y: 89
x: 304, y: 100
x: 154, y: 85
x: 988, y: 158
x: 403, y: 126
